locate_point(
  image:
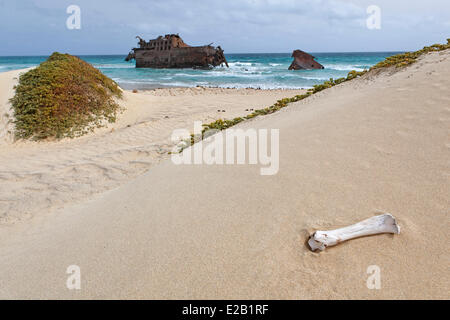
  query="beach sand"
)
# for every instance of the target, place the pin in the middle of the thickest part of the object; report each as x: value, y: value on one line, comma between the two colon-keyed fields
x: 372, y: 145
x: 41, y: 177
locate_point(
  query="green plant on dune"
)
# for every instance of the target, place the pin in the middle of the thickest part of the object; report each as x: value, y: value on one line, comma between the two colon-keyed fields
x: 222, y: 124
x: 407, y: 58
x: 400, y: 60
x: 225, y: 124
x: 63, y: 97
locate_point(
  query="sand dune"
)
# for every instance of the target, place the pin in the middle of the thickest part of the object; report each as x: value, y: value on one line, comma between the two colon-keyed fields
x: 378, y: 144
x: 40, y: 177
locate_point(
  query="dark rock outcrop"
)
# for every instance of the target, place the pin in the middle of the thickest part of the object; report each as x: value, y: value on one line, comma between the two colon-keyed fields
x: 304, y: 61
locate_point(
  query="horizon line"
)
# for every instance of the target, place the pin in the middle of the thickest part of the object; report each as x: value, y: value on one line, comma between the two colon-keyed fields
x: 124, y: 54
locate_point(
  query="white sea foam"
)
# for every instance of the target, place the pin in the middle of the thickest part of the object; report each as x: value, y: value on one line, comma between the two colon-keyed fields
x: 240, y: 64
x: 114, y: 66
x: 343, y: 67
x: 183, y: 75
x: 316, y: 78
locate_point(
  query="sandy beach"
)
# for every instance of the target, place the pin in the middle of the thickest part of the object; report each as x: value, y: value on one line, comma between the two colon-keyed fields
x: 140, y: 227
x: 39, y: 177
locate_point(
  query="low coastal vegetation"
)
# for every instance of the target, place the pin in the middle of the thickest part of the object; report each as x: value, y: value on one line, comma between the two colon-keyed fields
x: 67, y: 97
x: 63, y: 97
x: 397, y: 61
x: 407, y: 58
x: 225, y: 124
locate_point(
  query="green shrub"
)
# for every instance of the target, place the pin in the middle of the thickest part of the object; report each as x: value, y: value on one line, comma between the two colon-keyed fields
x: 63, y: 97
x: 407, y: 58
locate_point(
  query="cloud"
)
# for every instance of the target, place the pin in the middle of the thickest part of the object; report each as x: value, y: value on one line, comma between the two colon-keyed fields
x: 109, y: 26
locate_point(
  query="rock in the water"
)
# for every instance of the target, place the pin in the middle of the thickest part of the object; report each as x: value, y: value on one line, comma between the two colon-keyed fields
x: 304, y: 61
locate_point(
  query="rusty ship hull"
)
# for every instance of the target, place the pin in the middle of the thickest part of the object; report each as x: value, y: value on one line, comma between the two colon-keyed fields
x: 171, y: 52
x: 304, y: 61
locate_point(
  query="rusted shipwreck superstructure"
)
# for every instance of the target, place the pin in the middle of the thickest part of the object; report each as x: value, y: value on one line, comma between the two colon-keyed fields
x: 171, y: 51
x: 304, y: 61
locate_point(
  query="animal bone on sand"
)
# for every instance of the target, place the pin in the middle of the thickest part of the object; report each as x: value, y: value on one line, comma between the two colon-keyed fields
x: 384, y: 223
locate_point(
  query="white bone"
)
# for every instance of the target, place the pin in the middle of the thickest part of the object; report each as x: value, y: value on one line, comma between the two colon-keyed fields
x: 384, y: 223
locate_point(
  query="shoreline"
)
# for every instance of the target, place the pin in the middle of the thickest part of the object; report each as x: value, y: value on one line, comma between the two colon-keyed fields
x: 146, y: 87
x: 264, y: 71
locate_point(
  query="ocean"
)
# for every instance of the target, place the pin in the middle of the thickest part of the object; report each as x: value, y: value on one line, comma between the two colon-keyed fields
x: 262, y: 70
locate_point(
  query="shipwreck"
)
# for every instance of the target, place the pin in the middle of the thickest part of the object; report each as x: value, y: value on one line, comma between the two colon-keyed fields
x: 171, y: 51
x: 304, y: 61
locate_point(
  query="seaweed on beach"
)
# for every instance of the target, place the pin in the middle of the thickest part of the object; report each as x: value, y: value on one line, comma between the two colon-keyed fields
x: 63, y: 97
x: 398, y: 61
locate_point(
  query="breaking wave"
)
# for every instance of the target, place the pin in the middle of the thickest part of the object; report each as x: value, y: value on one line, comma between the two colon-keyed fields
x: 264, y: 71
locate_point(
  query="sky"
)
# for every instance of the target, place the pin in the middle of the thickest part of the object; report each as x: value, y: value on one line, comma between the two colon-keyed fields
x: 38, y: 27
